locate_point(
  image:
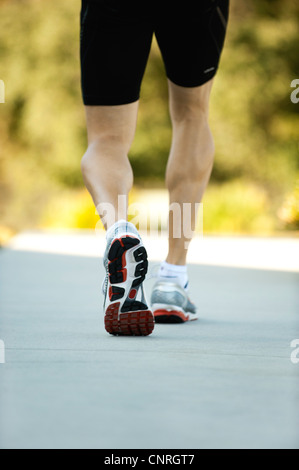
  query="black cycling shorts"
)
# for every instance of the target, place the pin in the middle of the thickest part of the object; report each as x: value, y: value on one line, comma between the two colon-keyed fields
x: 116, y: 37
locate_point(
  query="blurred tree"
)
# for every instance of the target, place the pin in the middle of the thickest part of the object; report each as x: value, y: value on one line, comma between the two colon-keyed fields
x: 42, y: 125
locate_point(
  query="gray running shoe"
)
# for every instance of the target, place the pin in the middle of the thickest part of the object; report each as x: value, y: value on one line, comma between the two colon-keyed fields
x: 171, y: 304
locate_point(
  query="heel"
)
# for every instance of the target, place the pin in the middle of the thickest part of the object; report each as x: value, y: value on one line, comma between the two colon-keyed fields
x: 139, y: 323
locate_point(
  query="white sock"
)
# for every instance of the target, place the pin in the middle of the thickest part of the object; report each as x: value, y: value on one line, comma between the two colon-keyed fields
x: 121, y: 227
x: 178, y: 273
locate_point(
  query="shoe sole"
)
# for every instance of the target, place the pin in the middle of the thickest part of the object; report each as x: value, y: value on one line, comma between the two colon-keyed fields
x: 170, y: 316
x: 126, y: 316
x: 167, y: 314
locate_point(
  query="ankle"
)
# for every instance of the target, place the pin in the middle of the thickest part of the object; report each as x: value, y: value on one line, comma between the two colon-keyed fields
x: 178, y: 260
x: 176, y: 272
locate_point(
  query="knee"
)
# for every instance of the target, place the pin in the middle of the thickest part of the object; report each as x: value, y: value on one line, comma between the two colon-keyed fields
x: 91, y: 159
x: 188, y: 113
x: 101, y: 150
x: 189, y: 104
x: 105, y: 156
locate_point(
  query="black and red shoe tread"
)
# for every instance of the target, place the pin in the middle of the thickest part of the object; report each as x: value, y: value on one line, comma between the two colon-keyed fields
x: 117, y: 261
x: 117, y: 258
x: 139, y: 323
x: 116, y: 293
x: 134, y: 318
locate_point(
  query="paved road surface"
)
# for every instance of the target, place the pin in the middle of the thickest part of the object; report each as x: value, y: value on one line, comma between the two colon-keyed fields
x: 225, y: 381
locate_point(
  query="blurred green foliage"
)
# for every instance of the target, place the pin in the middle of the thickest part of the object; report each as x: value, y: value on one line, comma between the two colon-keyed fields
x: 255, y: 124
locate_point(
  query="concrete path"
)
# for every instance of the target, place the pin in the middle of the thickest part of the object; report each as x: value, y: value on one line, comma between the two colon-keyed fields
x: 225, y: 381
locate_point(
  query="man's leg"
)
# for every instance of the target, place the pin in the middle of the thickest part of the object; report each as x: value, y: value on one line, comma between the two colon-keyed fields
x: 105, y: 166
x: 107, y: 174
x: 190, y: 162
x: 188, y: 172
